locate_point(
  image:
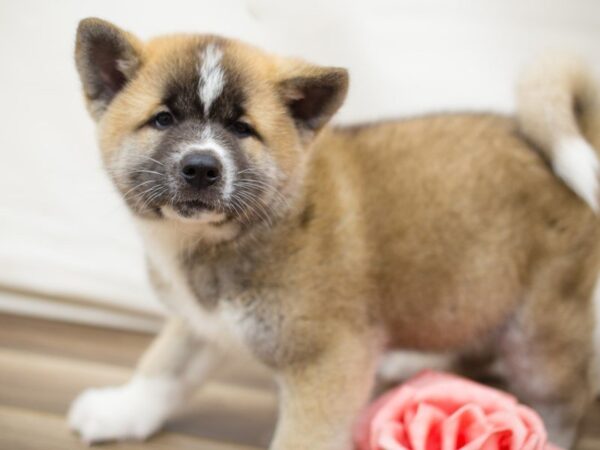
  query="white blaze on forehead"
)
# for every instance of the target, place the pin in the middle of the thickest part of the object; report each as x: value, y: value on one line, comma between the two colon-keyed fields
x: 212, y: 77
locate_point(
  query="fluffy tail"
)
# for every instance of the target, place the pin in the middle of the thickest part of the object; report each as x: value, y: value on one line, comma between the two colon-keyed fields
x: 558, y: 108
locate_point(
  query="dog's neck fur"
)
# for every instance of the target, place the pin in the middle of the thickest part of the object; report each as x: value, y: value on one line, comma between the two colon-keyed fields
x: 218, y: 261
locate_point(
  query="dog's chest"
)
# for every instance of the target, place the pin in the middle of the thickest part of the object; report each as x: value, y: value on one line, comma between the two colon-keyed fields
x: 201, y: 294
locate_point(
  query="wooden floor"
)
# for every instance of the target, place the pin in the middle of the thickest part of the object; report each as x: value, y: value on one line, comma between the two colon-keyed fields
x: 44, y: 364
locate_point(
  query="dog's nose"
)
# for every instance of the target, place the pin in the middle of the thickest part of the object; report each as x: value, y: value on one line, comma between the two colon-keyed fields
x: 200, y: 170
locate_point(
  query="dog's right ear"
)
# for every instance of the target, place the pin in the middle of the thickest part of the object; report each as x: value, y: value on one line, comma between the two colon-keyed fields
x: 106, y: 58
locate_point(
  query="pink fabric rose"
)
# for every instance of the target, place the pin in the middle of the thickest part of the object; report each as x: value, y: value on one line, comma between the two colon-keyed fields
x: 436, y: 411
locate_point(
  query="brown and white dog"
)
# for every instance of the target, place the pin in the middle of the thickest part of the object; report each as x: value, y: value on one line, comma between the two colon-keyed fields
x: 318, y: 248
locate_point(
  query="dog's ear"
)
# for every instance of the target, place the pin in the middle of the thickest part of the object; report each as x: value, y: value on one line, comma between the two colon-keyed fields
x: 106, y: 58
x: 313, y: 94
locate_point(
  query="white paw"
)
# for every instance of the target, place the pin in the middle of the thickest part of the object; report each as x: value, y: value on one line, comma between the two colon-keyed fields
x: 135, y: 410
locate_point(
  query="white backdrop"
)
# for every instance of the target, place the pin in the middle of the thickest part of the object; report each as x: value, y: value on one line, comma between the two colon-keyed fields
x: 67, y: 248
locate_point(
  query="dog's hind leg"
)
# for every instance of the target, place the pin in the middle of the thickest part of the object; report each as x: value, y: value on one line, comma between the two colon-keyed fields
x: 546, y: 352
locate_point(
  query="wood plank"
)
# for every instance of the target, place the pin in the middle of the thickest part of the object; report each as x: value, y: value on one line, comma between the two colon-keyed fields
x: 98, y: 344
x: 220, y: 411
x: 46, y: 363
x: 22, y: 429
x: 72, y: 340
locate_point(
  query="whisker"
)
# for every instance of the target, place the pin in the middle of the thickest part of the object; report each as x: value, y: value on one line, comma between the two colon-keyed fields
x: 153, y: 192
x: 147, y: 171
x: 259, y: 206
x: 153, y: 197
x: 136, y: 187
x: 155, y: 160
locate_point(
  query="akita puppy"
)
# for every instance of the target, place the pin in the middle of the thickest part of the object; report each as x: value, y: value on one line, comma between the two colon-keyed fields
x: 317, y: 248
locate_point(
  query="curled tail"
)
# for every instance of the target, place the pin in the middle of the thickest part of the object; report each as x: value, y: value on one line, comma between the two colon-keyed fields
x: 559, y: 110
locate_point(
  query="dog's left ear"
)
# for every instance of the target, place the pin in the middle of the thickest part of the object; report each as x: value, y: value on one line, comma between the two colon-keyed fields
x: 313, y: 94
x: 106, y: 58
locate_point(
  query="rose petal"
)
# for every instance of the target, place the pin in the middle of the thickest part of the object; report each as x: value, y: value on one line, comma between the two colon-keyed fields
x: 533, y: 442
x: 508, y: 420
x: 493, y: 440
x: 463, y: 426
x: 424, y: 430
x: 450, y: 392
x: 436, y: 411
x: 534, y: 423
x: 391, y: 437
x: 391, y: 411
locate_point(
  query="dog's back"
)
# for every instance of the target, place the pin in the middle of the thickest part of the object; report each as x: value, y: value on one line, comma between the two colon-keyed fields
x: 460, y: 214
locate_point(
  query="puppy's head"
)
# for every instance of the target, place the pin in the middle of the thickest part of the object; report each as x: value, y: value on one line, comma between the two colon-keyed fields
x: 202, y: 128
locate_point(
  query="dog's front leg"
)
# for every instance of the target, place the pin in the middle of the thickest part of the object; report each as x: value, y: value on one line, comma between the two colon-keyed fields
x: 176, y: 362
x: 322, y: 397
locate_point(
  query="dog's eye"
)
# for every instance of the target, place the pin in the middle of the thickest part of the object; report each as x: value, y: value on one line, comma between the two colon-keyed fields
x: 163, y: 120
x: 242, y: 129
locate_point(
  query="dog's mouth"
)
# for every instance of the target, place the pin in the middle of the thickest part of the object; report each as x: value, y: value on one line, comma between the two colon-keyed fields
x: 197, y: 211
x: 189, y: 208
x: 193, y: 205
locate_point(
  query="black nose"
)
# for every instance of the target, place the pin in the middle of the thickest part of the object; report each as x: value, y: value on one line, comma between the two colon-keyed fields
x: 200, y: 170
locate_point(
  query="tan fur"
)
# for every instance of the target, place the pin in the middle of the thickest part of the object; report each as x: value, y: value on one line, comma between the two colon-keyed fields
x: 554, y: 93
x: 559, y: 110
x: 444, y: 233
